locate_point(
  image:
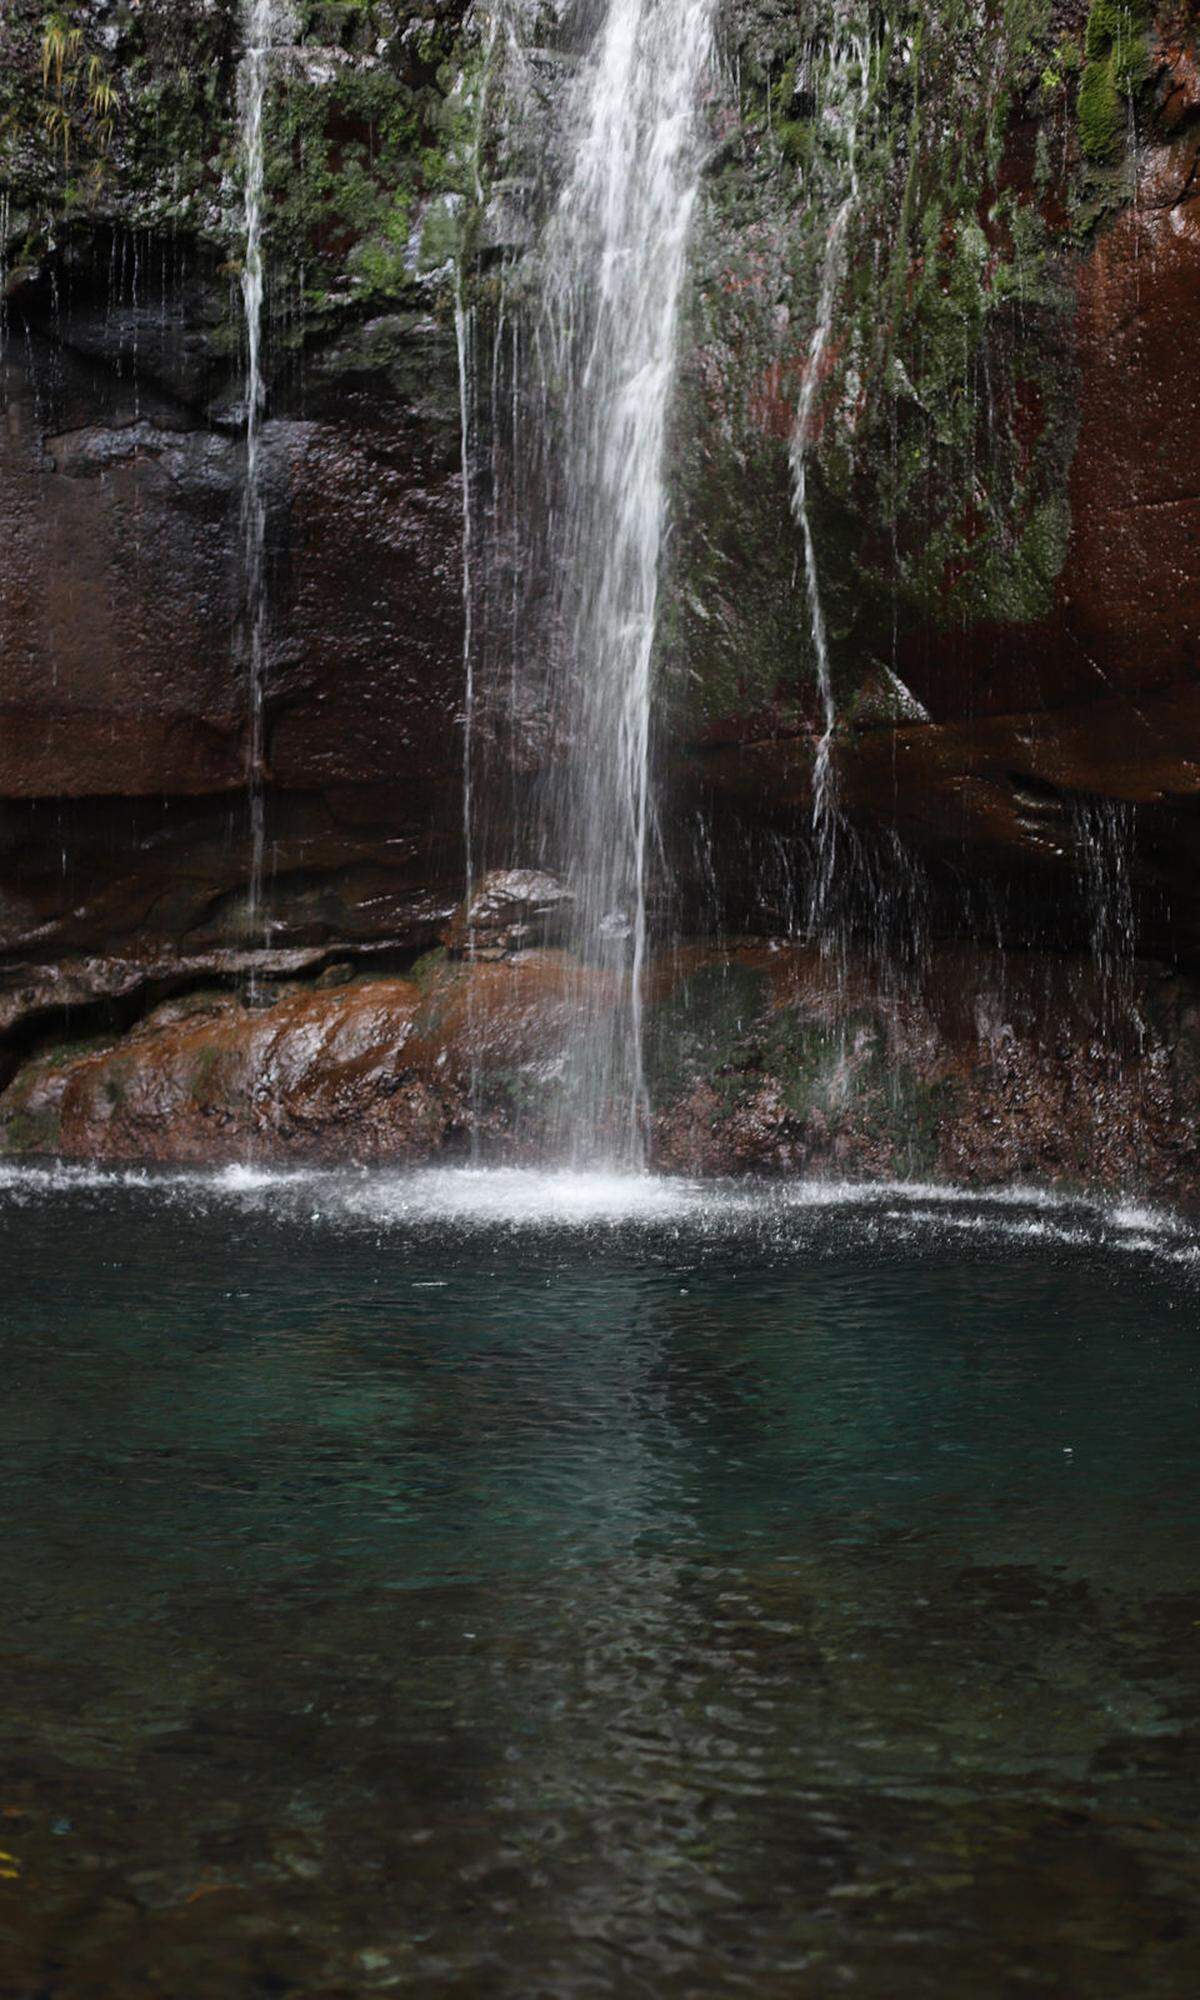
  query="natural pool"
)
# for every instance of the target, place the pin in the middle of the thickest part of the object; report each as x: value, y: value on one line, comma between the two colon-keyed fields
x: 473, y: 1584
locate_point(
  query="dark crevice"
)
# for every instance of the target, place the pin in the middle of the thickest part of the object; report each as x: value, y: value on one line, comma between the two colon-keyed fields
x: 113, y: 1016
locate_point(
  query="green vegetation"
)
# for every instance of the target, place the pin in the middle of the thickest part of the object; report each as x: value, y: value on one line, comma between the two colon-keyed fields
x: 81, y: 100
x: 132, y: 118
x: 59, y: 102
x: 1117, y: 64
x: 944, y: 427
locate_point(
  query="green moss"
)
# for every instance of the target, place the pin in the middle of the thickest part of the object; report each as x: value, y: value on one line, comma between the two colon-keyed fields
x: 115, y: 1085
x: 1108, y: 21
x: 937, y: 476
x: 1117, y: 64
x: 848, y: 1078
x: 26, y: 1132
x: 1100, y: 112
x: 357, y: 149
x: 204, y: 1076
x: 793, y: 135
x: 1064, y: 64
x: 700, y: 1031
x: 810, y: 1060
x: 430, y: 967
x: 721, y: 1028
x: 30, y: 1112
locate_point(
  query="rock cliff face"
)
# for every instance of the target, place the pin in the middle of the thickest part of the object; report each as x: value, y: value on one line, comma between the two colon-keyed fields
x: 1005, y: 509
x: 123, y: 695
x: 1003, y: 492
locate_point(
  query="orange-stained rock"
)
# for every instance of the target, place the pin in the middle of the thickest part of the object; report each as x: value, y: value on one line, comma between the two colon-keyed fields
x: 375, y: 1069
x: 315, y: 1074
x: 768, y: 1059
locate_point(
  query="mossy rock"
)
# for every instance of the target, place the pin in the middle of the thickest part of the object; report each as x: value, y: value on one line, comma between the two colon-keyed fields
x: 1117, y: 63
x: 699, y: 1033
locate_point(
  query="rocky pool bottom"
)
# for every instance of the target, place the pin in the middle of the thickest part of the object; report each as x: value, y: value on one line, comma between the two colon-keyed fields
x: 478, y: 1583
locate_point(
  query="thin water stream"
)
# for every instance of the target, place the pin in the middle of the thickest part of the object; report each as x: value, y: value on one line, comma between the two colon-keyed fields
x: 265, y: 25
x: 844, y: 94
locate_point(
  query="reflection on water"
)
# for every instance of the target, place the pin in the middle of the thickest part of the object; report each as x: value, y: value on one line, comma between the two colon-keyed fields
x: 772, y: 1595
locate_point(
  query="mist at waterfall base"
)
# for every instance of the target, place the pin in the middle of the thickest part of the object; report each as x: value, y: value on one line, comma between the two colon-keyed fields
x: 477, y: 1583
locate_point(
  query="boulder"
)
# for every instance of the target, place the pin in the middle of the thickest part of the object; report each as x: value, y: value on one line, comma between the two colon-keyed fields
x: 513, y: 909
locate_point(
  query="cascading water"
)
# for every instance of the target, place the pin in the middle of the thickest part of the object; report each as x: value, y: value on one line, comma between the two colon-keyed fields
x: 613, y: 267
x: 844, y: 99
x: 265, y: 25
x: 463, y: 332
x: 1104, y: 832
x: 564, y: 435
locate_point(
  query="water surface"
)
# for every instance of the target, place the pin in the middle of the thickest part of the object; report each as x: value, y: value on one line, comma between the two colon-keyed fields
x: 483, y: 1584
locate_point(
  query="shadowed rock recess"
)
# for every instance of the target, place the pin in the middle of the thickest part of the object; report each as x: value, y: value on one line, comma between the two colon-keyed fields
x: 1002, y: 483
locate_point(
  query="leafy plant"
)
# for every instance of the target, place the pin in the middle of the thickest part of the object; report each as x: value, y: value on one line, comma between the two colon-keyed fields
x: 81, y: 103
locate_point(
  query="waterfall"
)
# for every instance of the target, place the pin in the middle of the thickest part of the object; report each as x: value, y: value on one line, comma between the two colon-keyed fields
x: 1104, y: 832
x: 613, y: 263
x: 463, y: 336
x: 844, y: 99
x: 264, y: 26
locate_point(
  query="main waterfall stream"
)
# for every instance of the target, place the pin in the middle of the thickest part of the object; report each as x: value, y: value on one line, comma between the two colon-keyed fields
x: 603, y: 338
x: 614, y: 262
x: 263, y: 23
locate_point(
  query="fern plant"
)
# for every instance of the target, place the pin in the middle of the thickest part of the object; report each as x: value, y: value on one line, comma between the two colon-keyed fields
x: 81, y: 102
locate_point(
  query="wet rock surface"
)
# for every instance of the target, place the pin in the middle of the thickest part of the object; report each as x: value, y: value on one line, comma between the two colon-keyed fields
x: 985, y: 1075
x: 124, y: 698
x: 1043, y: 346
x: 1022, y: 1069
x: 376, y: 1068
x: 123, y: 692
x: 1004, y: 512
x: 512, y: 910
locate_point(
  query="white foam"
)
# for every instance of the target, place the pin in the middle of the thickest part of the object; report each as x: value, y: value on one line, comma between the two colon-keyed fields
x: 532, y: 1199
x: 943, y: 1192
x: 1142, y: 1219
x: 1028, y: 1229
x: 524, y: 1197
x: 21, y: 1180
x: 248, y: 1179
